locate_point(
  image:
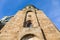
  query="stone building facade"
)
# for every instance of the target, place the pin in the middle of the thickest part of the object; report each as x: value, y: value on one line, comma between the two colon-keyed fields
x: 29, y: 24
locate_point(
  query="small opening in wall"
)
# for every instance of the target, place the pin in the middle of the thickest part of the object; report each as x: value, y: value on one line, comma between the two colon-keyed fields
x: 28, y: 23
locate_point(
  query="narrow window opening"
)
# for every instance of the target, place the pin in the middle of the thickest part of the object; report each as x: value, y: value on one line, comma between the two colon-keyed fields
x: 27, y: 23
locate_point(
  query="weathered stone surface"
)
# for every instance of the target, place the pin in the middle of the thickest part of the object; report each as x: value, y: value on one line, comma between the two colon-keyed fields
x: 41, y: 27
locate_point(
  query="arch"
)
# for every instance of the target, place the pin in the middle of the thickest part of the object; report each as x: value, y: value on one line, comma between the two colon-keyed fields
x: 28, y: 22
x: 28, y: 36
x: 29, y: 11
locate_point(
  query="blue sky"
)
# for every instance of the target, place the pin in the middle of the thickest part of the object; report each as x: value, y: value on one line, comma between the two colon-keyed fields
x: 50, y: 7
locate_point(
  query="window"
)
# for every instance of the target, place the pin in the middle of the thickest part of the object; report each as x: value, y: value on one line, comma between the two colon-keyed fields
x: 28, y: 23
x: 27, y: 37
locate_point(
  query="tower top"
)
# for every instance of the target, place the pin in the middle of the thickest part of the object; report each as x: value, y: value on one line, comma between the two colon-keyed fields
x: 29, y: 24
x: 31, y: 6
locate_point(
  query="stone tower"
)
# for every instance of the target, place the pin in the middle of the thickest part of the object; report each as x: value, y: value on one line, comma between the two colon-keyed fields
x: 29, y: 24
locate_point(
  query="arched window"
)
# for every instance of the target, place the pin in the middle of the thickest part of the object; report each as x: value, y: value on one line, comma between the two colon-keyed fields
x: 27, y: 23
x: 27, y: 37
